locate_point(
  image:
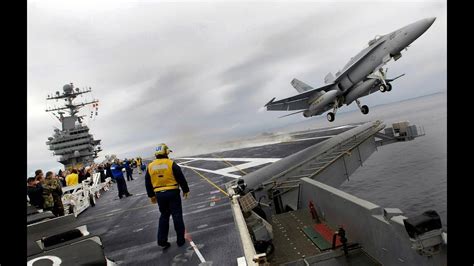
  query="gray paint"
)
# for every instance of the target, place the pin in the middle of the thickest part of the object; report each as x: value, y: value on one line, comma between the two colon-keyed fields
x: 386, y: 240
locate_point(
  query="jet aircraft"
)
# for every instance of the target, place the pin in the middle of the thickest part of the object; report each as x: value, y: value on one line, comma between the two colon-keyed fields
x: 361, y: 76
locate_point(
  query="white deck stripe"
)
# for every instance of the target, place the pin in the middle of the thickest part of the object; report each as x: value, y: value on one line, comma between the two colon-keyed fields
x: 210, y: 171
x: 250, y: 162
x: 198, y: 253
x: 245, y: 165
x: 232, y: 159
x: 241, y: 261
x: 188, y: 161
x: 202, y: 226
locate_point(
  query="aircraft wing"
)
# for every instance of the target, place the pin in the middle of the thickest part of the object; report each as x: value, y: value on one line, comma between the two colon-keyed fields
x: 359, y: 57
x: 297, y: 102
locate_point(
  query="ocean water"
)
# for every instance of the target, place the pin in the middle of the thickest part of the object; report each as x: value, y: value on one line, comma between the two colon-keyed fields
x: 411, y: 176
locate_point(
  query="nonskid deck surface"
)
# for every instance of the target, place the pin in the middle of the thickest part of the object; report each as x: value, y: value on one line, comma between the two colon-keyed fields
x: 291, y: 238
x: 128, y: 226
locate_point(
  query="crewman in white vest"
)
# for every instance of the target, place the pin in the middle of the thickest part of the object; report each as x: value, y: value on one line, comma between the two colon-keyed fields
x: 162, y: 180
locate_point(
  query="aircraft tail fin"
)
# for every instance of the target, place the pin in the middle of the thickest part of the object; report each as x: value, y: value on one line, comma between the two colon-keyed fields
x: 329, y: 78
x: 292, y: 114
x: 300, y: 86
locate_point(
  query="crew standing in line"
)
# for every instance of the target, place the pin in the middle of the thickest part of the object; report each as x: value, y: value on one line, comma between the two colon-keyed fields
x: 162, y: 180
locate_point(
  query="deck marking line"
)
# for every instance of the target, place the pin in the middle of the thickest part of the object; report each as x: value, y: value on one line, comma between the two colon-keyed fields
x: 198, y: 253
x: 210, y: 182
x: 210, y: 171
x: 231, y: 165
x: 215, y: 199
x: 271, y: 160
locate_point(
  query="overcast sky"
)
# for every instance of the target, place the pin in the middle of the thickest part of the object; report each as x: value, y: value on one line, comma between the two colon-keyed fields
x: 193, y: 74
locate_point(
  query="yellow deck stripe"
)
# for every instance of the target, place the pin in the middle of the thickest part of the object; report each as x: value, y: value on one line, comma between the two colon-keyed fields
x: 210, y: 182
x: 228, y: 163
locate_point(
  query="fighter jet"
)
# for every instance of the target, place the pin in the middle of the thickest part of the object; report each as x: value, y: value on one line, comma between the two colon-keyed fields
x: 361, y: 76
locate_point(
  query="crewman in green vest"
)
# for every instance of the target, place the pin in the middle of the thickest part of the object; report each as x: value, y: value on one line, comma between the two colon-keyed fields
x: 163, y: 178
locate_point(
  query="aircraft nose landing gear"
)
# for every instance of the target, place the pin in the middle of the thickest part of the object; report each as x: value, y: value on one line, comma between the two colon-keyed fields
x: 364, y: 108
x: 332, y: 115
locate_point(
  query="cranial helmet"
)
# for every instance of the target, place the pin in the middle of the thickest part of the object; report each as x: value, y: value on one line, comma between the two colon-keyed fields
x: 162, y: 149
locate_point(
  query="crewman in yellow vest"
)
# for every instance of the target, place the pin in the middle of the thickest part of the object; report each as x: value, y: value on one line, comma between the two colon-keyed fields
x: 73, y: 178
x: 139, y: 165
x: 163, y: 178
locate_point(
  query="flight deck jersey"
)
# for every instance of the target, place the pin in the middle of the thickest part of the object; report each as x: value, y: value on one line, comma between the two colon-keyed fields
x: 116, y: 171
x: 72, y: 179
x: 161, y: 175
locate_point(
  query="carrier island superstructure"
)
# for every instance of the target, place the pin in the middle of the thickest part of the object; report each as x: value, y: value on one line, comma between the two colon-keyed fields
x: 73, y: 143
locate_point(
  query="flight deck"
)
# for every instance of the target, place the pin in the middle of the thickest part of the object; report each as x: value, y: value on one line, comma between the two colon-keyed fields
x: 128, y: 226
x: 281, y: 179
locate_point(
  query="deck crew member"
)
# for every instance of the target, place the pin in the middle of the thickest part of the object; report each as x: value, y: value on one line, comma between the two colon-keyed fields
x: 73, y: 178
x: 162, y: 180
x: 52, y: 193
x: 139, y: 165
x: 116, y: 169
x: 128, y: 169
x: 35, y: 192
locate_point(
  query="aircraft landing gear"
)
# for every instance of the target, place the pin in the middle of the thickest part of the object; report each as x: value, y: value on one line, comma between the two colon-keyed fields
x: 364, y: 108
x: 385, y: 85
x: 330, y: 116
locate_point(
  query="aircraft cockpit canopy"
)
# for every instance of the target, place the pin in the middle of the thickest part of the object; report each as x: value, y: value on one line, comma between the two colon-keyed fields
x: 376, y: 38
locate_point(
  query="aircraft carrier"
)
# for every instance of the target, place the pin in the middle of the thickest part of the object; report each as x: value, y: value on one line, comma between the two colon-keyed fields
x: 273, y: 204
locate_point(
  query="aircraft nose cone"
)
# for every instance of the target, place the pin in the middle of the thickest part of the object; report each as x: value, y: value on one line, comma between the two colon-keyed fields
x: 422, y: 25
x: 430, y: 21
